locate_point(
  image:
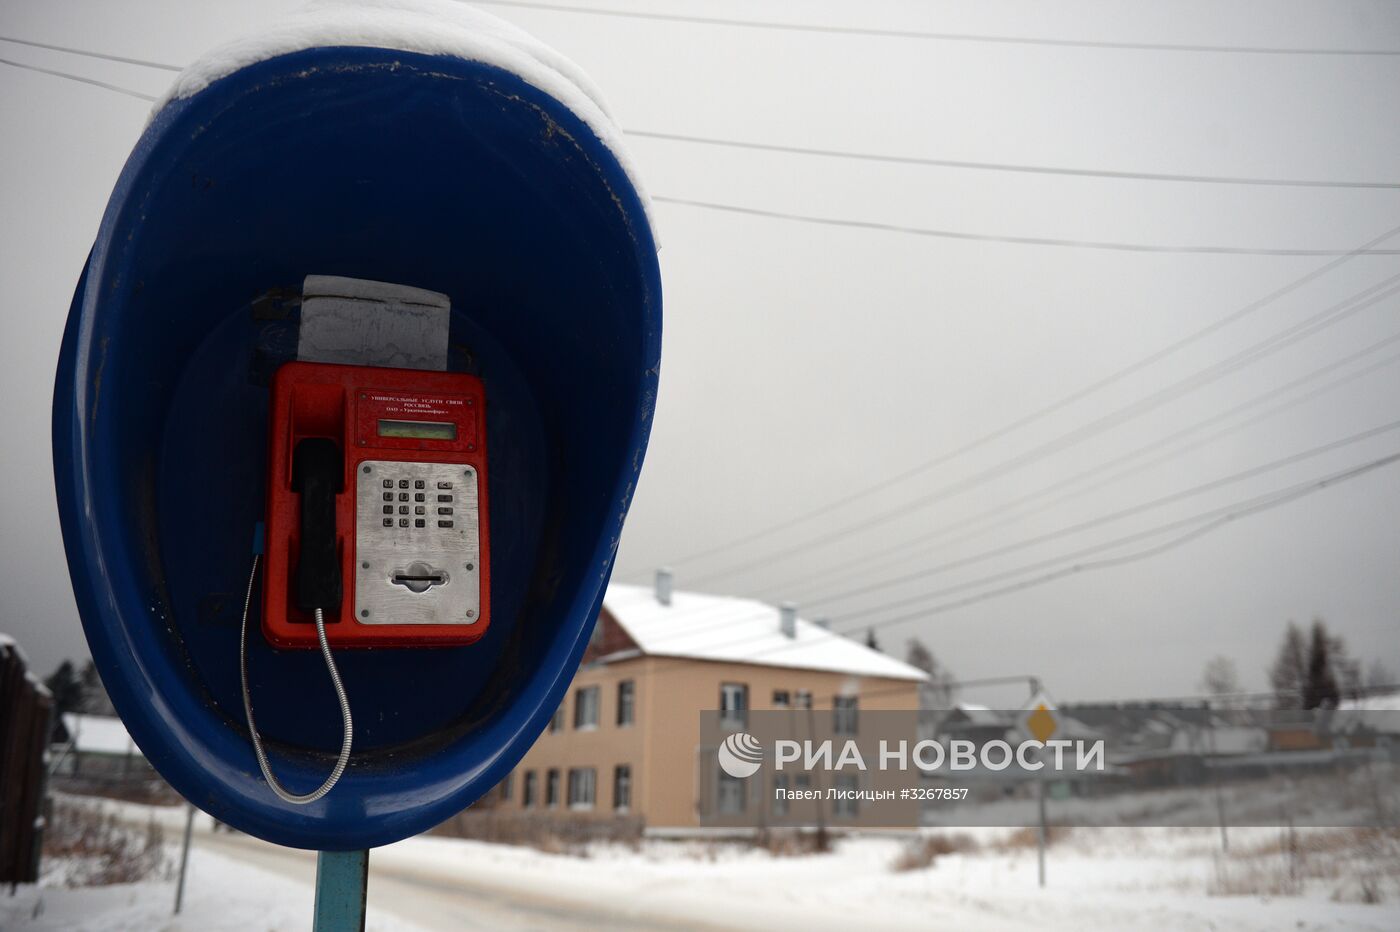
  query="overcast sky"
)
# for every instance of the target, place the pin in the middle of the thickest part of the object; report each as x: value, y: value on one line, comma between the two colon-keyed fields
x: 806, y: 363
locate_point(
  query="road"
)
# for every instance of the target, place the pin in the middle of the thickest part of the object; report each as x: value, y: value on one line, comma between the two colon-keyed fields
x: 442, y: 901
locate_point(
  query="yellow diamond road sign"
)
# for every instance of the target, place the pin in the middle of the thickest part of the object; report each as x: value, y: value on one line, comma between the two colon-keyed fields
x: 1040, y: 720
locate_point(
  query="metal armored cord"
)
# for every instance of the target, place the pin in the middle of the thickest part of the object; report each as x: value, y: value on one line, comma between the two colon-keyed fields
x: 344, y: 758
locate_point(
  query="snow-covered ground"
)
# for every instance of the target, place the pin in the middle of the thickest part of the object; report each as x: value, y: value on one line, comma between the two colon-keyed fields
x: 224, y: 893
x: 1173, y: 878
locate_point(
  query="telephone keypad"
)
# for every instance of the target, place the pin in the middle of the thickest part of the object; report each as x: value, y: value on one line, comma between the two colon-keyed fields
x: 428, y: 513
x: 397, y: 502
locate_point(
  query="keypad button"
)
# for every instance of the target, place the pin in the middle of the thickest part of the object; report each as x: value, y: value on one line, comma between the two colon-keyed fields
x: 403, y: 522
x: 444, y: 485
x: 418, y: 483
x: 403, y: 509
x: 388, y: 496
x: 403, y: 483
x: 419, y: 522
x: 388, y: 483
x: 388, y: 509
x: 419, y: 509
x: 388, y: 522
x: 403, y: 496
x: 444, y: 511
x: 444, y: 498
x: 444, y: 524
x: 418, y: 496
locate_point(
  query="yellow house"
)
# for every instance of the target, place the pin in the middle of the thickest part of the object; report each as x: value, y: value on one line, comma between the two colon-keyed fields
x: 626, y: 739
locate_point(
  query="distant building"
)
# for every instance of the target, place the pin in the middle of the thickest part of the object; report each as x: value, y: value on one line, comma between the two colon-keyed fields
x: 626, y: 739
x: 98, y: 748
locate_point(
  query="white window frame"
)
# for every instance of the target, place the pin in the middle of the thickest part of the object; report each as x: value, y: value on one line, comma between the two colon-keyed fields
x: 727, y: 791
x: 594, y: 706
x: 583, y: 788
x: 734, y: 705
x: 848, y: 807
x: 629, y: 706
x: 620, y: 781
x: 845, y: 715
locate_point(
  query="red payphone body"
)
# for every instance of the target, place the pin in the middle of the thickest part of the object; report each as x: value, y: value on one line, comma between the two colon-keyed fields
x: 376, y: 508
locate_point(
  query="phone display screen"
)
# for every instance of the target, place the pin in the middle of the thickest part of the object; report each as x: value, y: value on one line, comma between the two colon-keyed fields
x: 418, y: 430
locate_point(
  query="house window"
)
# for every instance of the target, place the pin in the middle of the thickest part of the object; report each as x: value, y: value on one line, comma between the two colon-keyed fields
x: 845, y: 806
x: 583, y: 787
x: 626, y: 702
x: 782, y: 699
x: 586, y: 707
x: 781, y: 784
x: 844, y: 713
x: 529, y: 793
x: 551, y: 788
x: 804, y: 699
x: 734, y: 705
x: 731, y: 794
x: 622, y: 787
x: 506, y: 785
x: 557, y: 722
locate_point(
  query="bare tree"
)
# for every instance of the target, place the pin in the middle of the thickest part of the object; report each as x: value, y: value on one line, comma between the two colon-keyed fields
x: 1320, y: 689
x: 95, y: 700
x: 937, y: 691
x: 1379, y: 675
x: 1290, y: 669
x: 1220, y: 678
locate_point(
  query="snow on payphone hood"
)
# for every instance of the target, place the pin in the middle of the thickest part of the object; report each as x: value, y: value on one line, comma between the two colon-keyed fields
x: 430, y: 27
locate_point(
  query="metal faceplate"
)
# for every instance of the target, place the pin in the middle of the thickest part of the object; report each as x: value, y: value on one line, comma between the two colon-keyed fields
x: 417, y: 544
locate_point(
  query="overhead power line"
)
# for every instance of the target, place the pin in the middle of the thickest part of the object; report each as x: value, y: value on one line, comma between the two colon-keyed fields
x: 927, y: 35
x: 1216, y: 524
x: 1305, y: 328
x: 90, y: 54
x: 865, y: 156
x: 79, y: 78
x: 1080, y: 527
x: 1039, y: 413
x: 894, y: 228
x: 1112, y: 246
x: 1197, y: 526
x: 854, y: 566
x: 1007, y: 166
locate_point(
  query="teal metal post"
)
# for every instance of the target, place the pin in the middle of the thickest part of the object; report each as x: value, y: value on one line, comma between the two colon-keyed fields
x: 341, y: 880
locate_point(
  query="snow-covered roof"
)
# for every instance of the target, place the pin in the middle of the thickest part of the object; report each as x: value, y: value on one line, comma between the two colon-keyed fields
x: 99, y: 734
x: 1230, y: 739
x: 735, y: 630
x: 8, y: 642
x: 979, y: 714
x: 1378, y: 702
x: 432, y: 27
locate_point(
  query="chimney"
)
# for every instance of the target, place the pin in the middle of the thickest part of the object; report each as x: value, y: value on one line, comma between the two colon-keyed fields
x: 663, y: 586
x: 787, y: 619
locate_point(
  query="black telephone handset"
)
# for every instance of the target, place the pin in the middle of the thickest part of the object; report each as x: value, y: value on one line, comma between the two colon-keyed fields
x: 318, y: 472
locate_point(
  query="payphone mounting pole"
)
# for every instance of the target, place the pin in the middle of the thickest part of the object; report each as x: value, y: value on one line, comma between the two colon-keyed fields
x: 342, y: 879
x: 345, y: 321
